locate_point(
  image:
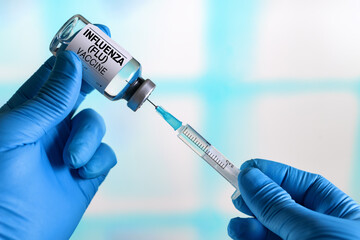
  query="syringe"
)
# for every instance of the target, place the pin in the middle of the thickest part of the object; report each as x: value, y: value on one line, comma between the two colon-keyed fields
x: 203, y: 148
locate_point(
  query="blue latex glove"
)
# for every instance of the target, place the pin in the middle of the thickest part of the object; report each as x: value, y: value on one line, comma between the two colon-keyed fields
x: 291, y: 204
x: 51, y: 163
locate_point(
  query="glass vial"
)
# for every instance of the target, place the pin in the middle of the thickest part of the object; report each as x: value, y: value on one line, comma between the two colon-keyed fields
x: 106, y: 65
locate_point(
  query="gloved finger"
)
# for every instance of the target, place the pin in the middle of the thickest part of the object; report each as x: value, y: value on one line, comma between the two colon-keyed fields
x: 31, y: 87
x: 87, y: 131
x: 308, y: 189
x: 249, y: 229
x: 271, y: 205
x: 240, y: 205
x: 54, y: 101
x: 95, y: 171
x: 85, y: 87
x: 100, y: 164
x: 104, y: 28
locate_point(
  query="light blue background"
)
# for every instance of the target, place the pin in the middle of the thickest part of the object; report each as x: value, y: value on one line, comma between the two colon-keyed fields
x: 272, y: 79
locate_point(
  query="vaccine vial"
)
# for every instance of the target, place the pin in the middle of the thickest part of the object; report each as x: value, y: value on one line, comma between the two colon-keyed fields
x: 106, y: 65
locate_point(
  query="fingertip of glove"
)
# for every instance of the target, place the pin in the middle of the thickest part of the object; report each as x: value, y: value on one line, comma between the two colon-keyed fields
x: 249, y: 163
x: 104, y: 28
x: 238, y: 203
x: 50, y: 62
x: 246, y: 228
x: 71, y: 159
x: 250, y: 178
x: 111, y: 152
x: 85, y: 174
x: 101, y: 163
x: 93, y: 119
x: 68, y: 66
x: 67, y: 56
x: 244, y: 173
x: 234, y: 228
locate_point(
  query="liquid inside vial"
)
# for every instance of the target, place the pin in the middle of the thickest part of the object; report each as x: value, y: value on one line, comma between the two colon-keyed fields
x: 122, y: 80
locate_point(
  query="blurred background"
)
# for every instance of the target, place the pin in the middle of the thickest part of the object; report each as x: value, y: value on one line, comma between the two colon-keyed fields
x: 269, y: 79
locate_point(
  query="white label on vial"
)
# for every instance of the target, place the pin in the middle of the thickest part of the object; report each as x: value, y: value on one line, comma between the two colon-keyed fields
x: 102, y: 57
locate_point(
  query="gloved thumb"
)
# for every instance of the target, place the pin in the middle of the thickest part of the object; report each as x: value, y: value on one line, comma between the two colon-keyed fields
x: 54, y: 101
x: 271, y: 204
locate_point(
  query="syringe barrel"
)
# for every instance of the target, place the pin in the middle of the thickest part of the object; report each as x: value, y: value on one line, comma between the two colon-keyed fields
x: 209, y: 153
x: 218, y: 161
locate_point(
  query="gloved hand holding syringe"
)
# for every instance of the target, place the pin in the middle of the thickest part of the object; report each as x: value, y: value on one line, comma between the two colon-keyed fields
x: 202, y: 148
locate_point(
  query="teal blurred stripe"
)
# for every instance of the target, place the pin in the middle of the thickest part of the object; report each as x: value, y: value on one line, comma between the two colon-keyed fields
x: 207, y: 224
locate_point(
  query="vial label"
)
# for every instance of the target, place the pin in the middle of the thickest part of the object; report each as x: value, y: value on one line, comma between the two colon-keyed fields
x: 102, y: 57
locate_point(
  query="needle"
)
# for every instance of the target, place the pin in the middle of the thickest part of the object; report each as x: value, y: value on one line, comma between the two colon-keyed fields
x: 152, y: 103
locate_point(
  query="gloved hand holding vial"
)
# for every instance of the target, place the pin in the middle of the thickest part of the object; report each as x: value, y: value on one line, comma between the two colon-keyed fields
x: 107, y: 67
